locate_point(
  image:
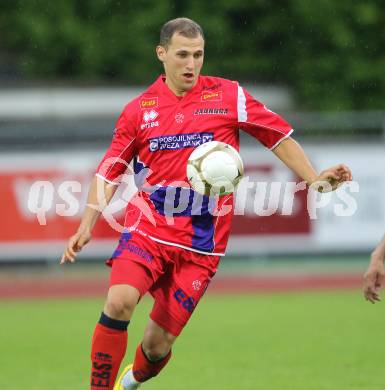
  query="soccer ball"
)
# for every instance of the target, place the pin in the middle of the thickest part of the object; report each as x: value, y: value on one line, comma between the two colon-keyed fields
x: 214, y: 168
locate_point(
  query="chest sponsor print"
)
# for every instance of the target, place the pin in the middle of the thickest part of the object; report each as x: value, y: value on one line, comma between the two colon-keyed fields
x: 179, y: 141
x: 211, y: 111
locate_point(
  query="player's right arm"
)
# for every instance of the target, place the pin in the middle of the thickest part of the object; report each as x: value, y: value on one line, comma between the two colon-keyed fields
x: 99, y: 195
x: 374, y: 276
x: 106, y: 180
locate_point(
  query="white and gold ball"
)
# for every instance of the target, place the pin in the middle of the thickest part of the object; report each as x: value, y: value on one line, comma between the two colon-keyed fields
x: 214, y: 168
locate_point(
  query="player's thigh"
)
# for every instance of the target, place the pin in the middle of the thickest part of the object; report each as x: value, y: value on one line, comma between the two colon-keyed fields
x: 129, y: 281
x: 177, y: 294
x: 136, y: 265
x: 136, y: 261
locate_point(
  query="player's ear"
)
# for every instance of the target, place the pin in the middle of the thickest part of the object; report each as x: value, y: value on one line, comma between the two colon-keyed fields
x: 161, y: 53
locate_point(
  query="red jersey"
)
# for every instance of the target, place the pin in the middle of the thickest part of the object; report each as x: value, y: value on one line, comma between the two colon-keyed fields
x: 159, y: 130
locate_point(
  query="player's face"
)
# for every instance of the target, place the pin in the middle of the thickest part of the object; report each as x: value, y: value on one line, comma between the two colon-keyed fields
x: 182, y: 60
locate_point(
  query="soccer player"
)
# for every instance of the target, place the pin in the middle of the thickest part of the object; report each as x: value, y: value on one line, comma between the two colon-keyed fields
x: 172, y: 252
x: 374, y: 276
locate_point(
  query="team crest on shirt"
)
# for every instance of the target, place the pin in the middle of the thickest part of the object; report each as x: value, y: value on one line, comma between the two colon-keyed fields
x: 196, y: 285
x: 179, y: 117
x: 211, y: 96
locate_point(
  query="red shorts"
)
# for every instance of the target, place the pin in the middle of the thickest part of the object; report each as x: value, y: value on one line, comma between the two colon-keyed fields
x: 177, y: 278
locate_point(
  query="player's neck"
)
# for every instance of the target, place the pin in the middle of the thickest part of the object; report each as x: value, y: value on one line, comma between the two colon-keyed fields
x: 177, y: 92
x: 173, y: 89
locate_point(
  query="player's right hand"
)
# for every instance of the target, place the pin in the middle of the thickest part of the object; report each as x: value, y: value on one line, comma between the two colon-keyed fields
x: 75, y: 244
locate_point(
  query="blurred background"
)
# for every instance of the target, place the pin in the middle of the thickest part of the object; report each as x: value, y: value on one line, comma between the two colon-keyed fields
x: 68, y: 67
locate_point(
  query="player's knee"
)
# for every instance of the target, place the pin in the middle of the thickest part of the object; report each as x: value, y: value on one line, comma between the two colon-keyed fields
x: 119, y: 308
x: 157, y: 346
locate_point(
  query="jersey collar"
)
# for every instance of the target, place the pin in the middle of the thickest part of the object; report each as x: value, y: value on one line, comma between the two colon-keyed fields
x: 160, y: 83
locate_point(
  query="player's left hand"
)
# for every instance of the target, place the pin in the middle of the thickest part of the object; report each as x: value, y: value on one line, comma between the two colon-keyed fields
x: 373, y: 279
x: 333, y: 176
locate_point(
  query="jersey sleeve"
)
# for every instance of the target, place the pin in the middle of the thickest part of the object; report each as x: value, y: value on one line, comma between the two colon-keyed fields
x: 121, y: 150
x: 258, y: 121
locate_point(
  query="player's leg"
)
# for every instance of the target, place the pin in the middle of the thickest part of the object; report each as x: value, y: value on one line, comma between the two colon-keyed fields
x: 151, y: 356
x: 176, y: 295
x: 135, y: 267
x: 109, y: 341
x: 157, y: 342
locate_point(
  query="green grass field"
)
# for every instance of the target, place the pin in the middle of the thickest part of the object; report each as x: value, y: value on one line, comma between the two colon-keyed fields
x: 314, y: 341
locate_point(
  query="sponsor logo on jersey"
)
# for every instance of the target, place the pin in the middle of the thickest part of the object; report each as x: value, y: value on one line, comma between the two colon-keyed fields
x: 214, y: 86
x: 149, y: 125
x: 209, y: 96
x: 148, y: 103
x: 154, y: 145
x: 126, y: 245
x: 188, y: 303
x: 211, y: 111
x: 179, y: 141
x: 149, y: 117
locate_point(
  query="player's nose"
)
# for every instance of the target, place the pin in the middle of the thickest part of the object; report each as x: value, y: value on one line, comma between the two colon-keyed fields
x: 190, y: 65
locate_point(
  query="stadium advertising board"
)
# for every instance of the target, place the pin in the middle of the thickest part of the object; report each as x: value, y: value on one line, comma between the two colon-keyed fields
x: 44, y: 194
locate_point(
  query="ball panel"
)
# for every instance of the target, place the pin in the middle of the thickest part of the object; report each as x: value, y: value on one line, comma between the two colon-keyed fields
x: 196, y: 179
x: 191, y: 171
x: 214, y: 168
x: 218, y: 165
x: 202, y: 150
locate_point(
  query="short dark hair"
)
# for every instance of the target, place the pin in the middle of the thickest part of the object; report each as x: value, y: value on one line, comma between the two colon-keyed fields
x: 183, y: 26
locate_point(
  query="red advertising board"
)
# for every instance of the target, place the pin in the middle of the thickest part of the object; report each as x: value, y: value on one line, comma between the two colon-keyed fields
x: 264, y: 213
x: 41, y: 204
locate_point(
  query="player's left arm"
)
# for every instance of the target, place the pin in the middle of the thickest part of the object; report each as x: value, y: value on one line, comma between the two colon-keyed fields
x: 294, y: 157
x: 275, y: 134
